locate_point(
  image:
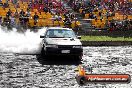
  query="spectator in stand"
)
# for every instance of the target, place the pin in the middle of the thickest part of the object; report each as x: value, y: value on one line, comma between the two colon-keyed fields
x: 59, y: 17
x: 45, y: 1
x: 45, y: 9
x: 112, y: 25
x: 91, y: 16
x: 56, y: 16
x: 5, y: 5
x: 72, y: 16
x: 31, y: 1
x: 70, y: 2
x: 35, y: 17
x: 28, y: 13
x: 130, y: 23
x: 49, y: 10
x: 50, y: 4
x: 16, y: 14
x: 13, y: 23
x: 8, y: 14
x: 14, y: 1
x: 67, y: 14
x: 67, y: 22
x: 17, y: 5
x: 21, y: 17
x: 83, y: 13
x: 40, y: 1
x: 0, y: 20
x: 30, y: 5
x: 36, y: 2
x: 107, y: 14
x: 7, y: 21
x: 100, y: 13
x: 22, y: 13
x: 26, y: 20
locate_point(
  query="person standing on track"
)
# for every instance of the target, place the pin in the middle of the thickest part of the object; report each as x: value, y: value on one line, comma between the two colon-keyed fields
x: 21, y: 17
x: 35, y: 17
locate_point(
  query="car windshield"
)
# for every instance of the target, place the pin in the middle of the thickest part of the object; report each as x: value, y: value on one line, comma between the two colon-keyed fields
x: 60, y: 33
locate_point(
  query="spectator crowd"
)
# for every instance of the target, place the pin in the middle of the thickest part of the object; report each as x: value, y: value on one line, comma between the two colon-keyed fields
x: 110, y: 14
x: 105, y: 12
x: 32, y: 13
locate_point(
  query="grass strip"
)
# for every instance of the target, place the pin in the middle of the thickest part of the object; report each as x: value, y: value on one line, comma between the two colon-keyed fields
x: 105, y: 38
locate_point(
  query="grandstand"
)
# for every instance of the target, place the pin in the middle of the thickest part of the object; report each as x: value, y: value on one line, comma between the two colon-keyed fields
x: 103, y: 13
x: 48, y: 12
x: 99, y: 14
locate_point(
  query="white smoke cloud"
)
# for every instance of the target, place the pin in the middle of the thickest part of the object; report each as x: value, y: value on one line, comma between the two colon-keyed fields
x: 15, y: 42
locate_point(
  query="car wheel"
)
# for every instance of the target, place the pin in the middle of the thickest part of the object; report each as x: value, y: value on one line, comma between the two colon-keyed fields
x: 43, y: 52
x: 81, y: 80
x: 78, y: 57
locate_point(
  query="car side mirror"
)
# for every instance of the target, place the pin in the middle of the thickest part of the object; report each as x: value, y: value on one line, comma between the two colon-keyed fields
x: 41, y: 36
x: 79, y: 37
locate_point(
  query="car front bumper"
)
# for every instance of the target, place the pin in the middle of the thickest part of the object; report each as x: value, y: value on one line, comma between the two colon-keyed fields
x: 64, y: 51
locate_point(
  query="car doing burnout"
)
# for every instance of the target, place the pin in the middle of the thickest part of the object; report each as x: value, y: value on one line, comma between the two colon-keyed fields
x: 61, y: 41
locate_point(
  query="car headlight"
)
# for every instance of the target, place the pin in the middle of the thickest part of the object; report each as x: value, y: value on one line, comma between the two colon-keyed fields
x: 77, y: 46
x: 52, y: 46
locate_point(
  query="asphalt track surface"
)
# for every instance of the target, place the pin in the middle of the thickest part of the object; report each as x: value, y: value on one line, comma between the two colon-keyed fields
x: 31, y: 71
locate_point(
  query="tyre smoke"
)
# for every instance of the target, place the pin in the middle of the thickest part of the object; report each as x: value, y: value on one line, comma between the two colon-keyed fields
x: 15, y: 42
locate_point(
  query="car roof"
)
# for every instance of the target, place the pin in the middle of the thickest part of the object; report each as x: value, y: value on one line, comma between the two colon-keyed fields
x: 59, y: 28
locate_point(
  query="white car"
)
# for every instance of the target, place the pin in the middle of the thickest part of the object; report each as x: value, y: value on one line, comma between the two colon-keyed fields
x: 61, y: 41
